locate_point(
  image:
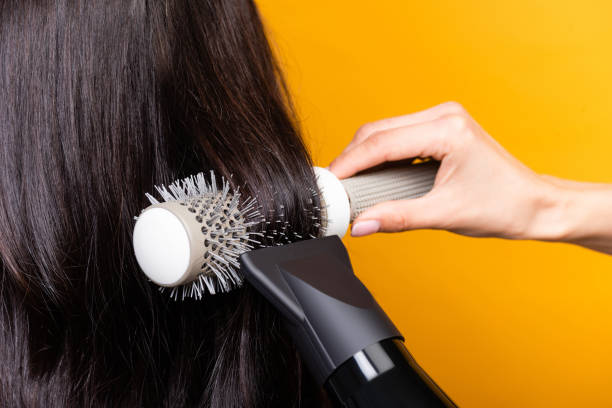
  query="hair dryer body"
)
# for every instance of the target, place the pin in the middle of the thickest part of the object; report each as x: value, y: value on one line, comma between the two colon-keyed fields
x: 348, y: 342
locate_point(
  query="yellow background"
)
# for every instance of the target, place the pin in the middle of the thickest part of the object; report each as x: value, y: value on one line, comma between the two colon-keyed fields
x: 495, y: 323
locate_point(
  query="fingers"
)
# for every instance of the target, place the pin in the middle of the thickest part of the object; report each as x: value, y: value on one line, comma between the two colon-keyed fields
x: 367, y: 130
x: 429, y: 133
x: 419, y: 140
x: 394, y: 216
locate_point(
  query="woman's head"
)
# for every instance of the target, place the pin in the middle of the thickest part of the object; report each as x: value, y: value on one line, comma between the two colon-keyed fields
x: 99, y: 101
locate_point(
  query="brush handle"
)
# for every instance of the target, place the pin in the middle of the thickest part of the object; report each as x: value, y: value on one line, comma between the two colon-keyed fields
x: 394, y: 181
x: 343, y: 200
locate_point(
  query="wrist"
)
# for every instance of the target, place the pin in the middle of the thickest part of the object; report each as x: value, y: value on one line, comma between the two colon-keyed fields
x: 573, y: 212
x: 552, y: 218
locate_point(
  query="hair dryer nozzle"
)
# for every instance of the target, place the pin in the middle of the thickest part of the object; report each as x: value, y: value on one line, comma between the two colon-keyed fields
x: 330, y: 312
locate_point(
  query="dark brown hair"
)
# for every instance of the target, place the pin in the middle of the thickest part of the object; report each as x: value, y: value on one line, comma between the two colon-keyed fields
x: 100, y: 101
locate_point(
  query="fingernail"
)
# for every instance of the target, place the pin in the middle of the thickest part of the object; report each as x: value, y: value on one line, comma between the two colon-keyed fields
x: 363, y: 228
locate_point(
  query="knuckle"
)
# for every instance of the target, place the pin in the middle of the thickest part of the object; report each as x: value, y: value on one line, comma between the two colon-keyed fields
x: 376, y: 141
x: 397, y: 221
x: 403, y: 222
x: 365, y: 130
x: 454, y: 107
x: 375, y: 146
x: 457, y: 131
x: 457, y: 123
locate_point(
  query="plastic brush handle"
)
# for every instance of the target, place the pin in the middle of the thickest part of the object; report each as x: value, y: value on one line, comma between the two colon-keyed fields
x: 392, y: 181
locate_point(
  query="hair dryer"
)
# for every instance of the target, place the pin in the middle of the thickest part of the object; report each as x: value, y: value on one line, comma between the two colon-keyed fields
x: 348, y: 342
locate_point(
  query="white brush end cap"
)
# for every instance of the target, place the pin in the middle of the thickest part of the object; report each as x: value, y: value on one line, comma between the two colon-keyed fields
x: 162, y: 246
x: 333, y: 196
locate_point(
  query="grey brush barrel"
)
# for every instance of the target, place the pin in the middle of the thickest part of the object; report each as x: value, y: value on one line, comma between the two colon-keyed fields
x: 391, y: 181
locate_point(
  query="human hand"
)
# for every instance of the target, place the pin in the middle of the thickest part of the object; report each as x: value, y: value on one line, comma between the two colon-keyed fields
x: 480, y: 189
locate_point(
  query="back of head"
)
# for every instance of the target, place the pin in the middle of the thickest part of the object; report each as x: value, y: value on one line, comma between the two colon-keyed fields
x: 100, y: 101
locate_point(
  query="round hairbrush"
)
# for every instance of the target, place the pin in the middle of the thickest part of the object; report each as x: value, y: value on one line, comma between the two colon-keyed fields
x: 195, y: 235
x: 191, y: 240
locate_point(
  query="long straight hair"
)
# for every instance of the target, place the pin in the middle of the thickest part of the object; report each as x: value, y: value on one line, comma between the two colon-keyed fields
x: 100, y: 101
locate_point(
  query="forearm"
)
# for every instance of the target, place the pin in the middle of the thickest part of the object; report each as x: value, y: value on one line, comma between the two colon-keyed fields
x: 573, y: 212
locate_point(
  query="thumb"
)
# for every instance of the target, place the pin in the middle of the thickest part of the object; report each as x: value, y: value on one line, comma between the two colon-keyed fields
x: 395, y: 216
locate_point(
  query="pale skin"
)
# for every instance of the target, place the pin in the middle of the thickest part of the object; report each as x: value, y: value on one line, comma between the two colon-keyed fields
x: 481, y: 190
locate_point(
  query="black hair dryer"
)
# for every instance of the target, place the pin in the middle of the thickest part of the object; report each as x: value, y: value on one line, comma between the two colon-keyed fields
x: 348, y: 342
